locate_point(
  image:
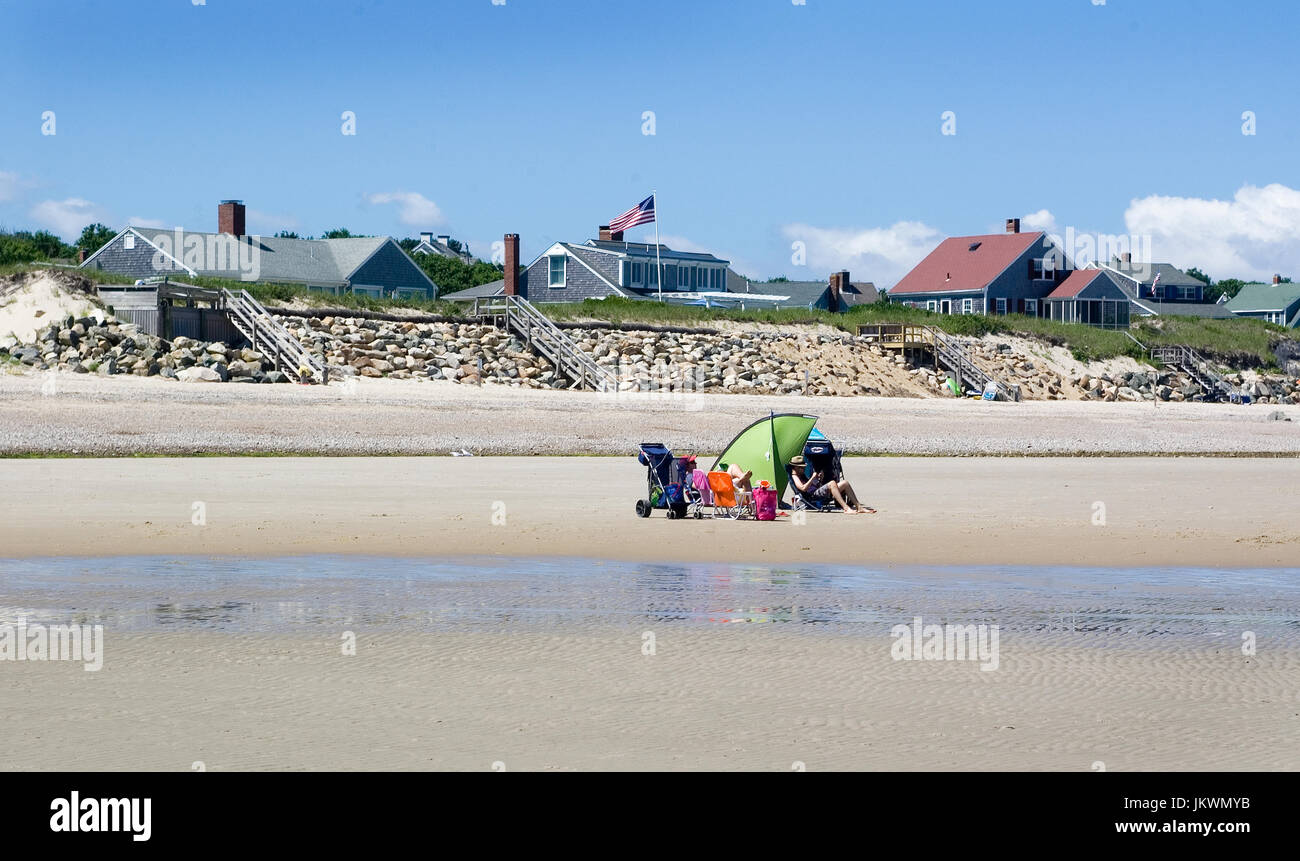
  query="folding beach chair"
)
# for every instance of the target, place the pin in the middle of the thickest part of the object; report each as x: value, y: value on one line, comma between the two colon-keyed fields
x: 725, y: 497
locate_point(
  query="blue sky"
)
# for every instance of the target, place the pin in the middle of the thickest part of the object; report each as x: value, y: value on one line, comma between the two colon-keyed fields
x: 774, y: 122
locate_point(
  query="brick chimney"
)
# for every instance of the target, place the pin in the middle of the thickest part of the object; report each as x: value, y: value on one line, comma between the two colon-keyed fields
x: 839, y: 281
x: 512, y: 264
x: 604, y: 233
x: 1277, y: 279
x: 1013, y: 225
x: 230, y: 217
x: 81, y: 255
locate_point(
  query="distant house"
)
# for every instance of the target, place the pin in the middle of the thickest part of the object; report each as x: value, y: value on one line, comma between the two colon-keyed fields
x: 837, y: 293
x: 375, y: 266
x: 1090, y: 296
x: 608, y: 266
x: 1274, y: 303
x: 1162, y: 289
x: 603, y: 267
x: 1000, y: 273
x: 441, y: 246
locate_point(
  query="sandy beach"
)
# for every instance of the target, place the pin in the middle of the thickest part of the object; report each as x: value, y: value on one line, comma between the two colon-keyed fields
x: 89, y: 415
x: 739, y: 698
x: 581, y: 695
x: 1230, y: 512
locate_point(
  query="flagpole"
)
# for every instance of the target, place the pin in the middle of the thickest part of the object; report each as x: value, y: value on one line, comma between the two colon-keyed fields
x: 654, y: 193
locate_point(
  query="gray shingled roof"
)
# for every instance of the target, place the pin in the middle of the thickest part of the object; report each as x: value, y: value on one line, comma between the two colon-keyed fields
x: 1170, y: 275
x: 318, y: 261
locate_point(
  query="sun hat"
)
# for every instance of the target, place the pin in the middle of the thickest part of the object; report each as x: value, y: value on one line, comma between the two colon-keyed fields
x: 797, y: 460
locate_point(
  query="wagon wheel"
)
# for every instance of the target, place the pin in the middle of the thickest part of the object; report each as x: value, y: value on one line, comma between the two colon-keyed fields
x: 642, y: 508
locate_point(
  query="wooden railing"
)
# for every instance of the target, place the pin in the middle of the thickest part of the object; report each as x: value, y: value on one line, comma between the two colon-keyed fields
x: 946, y: 350
x: 269, y: 336
x: 522, y: 317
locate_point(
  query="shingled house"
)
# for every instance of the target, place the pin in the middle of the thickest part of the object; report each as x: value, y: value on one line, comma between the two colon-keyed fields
x: 598, y: 268
x: 1000, y: 273
x: 375, y: 266
x: 442, y: 246
x: 1278, y: 302
x: 1090, y: 296
x: 1162, y: 289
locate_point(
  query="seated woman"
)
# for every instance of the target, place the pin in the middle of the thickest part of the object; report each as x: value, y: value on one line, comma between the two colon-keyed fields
x: 740, y: 477
x: 819, y: 488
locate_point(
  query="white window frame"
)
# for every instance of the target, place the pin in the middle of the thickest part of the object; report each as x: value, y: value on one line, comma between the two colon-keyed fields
x: 128, y: 242
x: 1031, y: 307
x: 968, y: 306
x: 931, y: 305
x: 550, y: 270
x: 1001, y: 305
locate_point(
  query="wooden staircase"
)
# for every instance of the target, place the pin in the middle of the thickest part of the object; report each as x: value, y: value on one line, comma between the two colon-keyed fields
x: 520, y: 316
x: 1194, y: 365
x: 943, y: 349
x: 270, y: 337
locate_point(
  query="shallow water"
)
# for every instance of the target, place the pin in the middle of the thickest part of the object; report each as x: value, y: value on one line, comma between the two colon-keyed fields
x: 301, y: 594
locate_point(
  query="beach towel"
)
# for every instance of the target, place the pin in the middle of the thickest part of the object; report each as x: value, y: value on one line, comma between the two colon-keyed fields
x: 700, y: 481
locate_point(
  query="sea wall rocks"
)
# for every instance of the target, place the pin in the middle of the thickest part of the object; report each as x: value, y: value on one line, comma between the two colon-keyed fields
x: 739, y: 362
x: 90, y: 346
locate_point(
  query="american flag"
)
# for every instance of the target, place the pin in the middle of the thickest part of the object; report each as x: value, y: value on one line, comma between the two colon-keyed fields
x: 642, y: 213
x: 1154, y: 283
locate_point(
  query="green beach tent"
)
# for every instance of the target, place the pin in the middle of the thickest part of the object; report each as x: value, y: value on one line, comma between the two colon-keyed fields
x: 766, y: 446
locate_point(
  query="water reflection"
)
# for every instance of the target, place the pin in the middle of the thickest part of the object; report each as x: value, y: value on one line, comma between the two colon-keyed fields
x: 377, y: 593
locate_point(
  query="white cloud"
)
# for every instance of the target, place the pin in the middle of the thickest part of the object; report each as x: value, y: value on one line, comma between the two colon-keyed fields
x: 413, y: 208
x: 1040, y: 220
x: 137, y: 221
x: 1254, y: 235
x: 8, y: 186
x: 67, y: 217
x: 881, y: 254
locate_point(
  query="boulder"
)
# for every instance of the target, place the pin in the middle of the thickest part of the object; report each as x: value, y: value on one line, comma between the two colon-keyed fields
x: 198, y: 374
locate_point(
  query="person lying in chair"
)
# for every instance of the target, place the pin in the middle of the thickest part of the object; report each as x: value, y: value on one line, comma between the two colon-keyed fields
x: 740, y: 477
x: 819, y: 488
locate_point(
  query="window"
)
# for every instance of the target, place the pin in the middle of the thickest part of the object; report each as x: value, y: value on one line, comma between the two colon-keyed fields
x: 1001, y: 306
x: 638, y: 275
x: 670, y: 277
x: 653, y: 272
x: 557, y: 270
x: 1031, y: 307
x: 624, y: 273
x: 695, y: 278
x: 968, y: 306
x: 931, y: 305
x: 1041, y: 269
x: 128, y: 241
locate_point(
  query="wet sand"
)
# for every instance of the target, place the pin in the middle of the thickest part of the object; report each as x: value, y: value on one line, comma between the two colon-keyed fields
x: 1230, y: 513
x: 741, y: 697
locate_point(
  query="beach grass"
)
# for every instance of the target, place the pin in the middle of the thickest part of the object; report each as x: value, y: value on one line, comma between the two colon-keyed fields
x: 1240, y: 340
